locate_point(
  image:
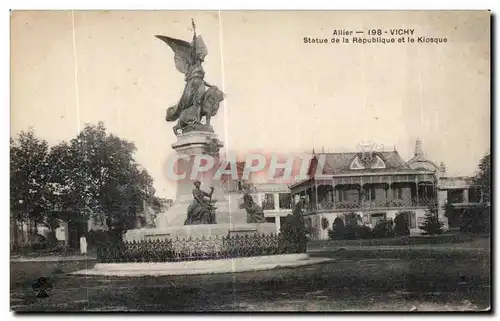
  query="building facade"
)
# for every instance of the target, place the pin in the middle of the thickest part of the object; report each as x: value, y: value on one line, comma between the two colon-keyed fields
x: 458, y: 191
x: 276, y: 201
x: 373, y: 185
x: 272, y: 195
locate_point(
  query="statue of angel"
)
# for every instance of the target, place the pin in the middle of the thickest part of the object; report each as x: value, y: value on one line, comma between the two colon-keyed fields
x: 195, y: 101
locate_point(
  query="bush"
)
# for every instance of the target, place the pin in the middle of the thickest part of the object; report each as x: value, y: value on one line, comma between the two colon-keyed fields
x: 337, y: 231
x: 475, y: 220
x: 384, y: 228
x: 351, y: 226
x: 363, y: 232
x: 96, y: 238
x: 39, y: 242
x: 432, y: 225
x: 294, y: 232
x: 402, y: 223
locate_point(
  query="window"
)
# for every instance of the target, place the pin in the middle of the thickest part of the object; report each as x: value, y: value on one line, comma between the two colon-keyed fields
x: 285, y: 200
x: 420, y: 221
x: 372, y: 194
x: 399, y: 193
x: 270, y: 219
x: 375, y: 217
x: 455, y: 196
x: 268, y: 203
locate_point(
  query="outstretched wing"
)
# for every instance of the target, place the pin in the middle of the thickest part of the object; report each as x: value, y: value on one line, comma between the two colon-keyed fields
x: 183, y: 52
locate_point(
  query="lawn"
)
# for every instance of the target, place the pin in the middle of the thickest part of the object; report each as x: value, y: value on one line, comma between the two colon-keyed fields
x: 371, y: 284
x: 448, y: 238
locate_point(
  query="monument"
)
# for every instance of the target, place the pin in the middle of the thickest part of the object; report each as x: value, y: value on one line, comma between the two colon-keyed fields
x: 196, y: 212
x: 210, y: 228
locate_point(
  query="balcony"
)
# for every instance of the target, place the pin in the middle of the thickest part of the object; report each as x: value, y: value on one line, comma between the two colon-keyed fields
x: 375, y: 204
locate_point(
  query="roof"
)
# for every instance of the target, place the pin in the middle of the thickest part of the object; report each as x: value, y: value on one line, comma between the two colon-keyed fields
x: 454, y: 182
x: 419, y: 161
x: 340, y: 163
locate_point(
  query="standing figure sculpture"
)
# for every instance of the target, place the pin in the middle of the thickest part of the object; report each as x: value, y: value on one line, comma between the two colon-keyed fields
x: 201, y: 211
x: 195, y: 101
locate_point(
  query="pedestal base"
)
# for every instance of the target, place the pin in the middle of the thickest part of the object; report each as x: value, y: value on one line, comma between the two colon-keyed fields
x: 198, y: 231
x: 230, y: 217
x: 259, y: 263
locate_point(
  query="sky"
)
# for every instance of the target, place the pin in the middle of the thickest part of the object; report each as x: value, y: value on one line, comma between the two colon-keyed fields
x: 72, y: 68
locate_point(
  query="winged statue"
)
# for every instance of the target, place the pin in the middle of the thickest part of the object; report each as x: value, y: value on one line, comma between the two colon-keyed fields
x: 199, y: 99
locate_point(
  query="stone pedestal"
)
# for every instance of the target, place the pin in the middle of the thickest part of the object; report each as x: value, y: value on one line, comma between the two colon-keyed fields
x: 198, y: 231
x: 230, y: 217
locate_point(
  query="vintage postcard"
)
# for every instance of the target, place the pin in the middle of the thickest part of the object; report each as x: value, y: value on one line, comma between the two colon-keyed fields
x: 184, y: 161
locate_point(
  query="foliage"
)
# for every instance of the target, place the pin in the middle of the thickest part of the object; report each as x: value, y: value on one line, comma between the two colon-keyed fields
x: 352, y: 222
x: 476, y: 220
x: 32, y: 189
x: 432, y: 224
x: 402, y: 223
x: 363, y: 232
x: 39, y: 242
x: 454, y: 215
x: 97, y: 238
x: 324, y: 223
x: 384, y: 228
x: 93, y: 175
x: 351, y: 230
x: 294, y: 232
x: 28, y: 156
x: 483, y: 177
x: 337, y: 231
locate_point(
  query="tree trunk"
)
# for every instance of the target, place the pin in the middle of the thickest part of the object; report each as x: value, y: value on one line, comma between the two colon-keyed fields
x: 15, y: 234
x: 109, y: 223
x: 51, y: 237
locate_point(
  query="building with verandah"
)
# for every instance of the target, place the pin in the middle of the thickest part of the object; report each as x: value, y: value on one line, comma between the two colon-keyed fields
x: 375, y: 185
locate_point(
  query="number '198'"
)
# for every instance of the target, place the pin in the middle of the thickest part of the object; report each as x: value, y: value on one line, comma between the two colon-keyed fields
x: 375, y: 32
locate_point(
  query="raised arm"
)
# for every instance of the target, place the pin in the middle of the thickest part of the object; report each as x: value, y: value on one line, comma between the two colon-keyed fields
x: 209, y: 194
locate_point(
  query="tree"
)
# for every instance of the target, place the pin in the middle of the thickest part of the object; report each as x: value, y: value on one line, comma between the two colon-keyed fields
x: 293, y: 231
x: 94, y: 175
x: 59, y: 199
x: 383, y: 228
x: 103, y: 180
x: 352, y: 222
x: 402, y: 223
x: 432, y: 225
x: 477, y: 219
x: 338, y: 229
x: 29, y: 179
x: 483, y: 177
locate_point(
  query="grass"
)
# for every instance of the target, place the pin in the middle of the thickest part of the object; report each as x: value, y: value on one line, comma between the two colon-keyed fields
x: 448, y: 238
x: 447, y: 277
x: 57, y: 251
x: 369, y: 284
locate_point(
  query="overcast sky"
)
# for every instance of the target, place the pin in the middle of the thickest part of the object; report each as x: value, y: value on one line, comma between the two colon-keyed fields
x: 282, y: 95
